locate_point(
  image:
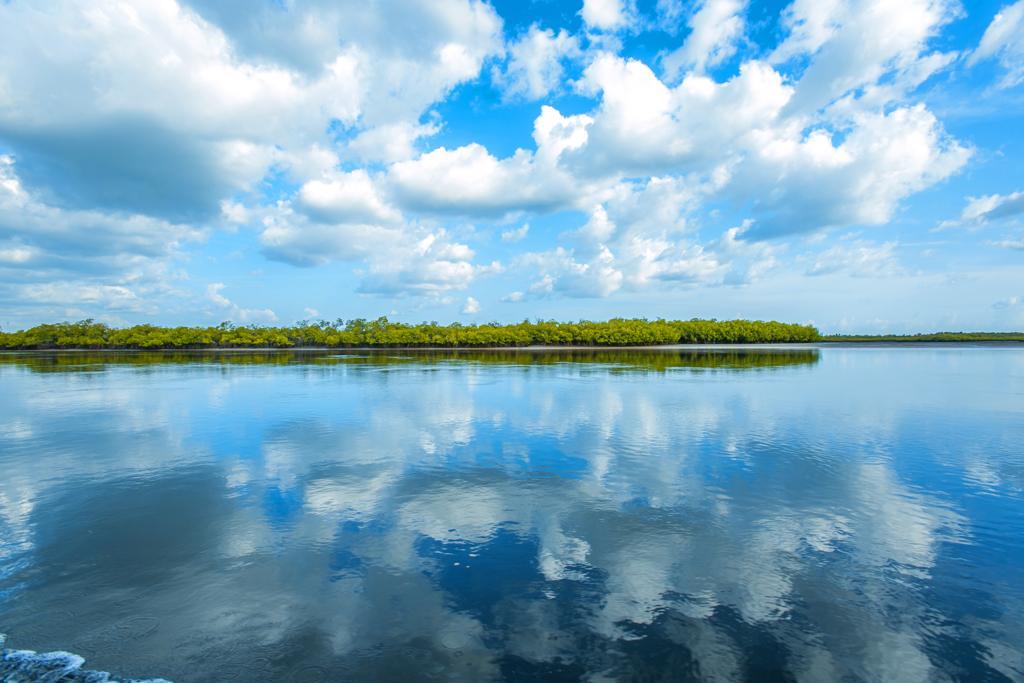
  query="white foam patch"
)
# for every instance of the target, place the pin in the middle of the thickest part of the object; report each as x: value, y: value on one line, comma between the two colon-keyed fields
x: 53, y: 667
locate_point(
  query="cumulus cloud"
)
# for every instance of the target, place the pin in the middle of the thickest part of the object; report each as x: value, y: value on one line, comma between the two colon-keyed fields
x: 431, y: 267
x: 132, y: 132
x: 390, y: 142
x: 469, y: 180
x: 131, y: 136
x: 346, y: 217
x: 1004, y: 40
x: 290, y: 236
x: 535, y: 63
x: 639, y: 240
x: 471, y: 307
x: 608, y: 15
x: 561, y: 272
x: 644, y: 126
x: 155, y: 109
x: 801, y: 183
x: 410, y: 54
x: 345, y: 198
x: 715, y: 29
x: 746, y: 261
x: 144, y: 108
x: 44, y: 242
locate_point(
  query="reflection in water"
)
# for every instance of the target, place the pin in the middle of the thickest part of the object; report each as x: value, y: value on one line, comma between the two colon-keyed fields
x: 665, y: 358
x: 517, y: 515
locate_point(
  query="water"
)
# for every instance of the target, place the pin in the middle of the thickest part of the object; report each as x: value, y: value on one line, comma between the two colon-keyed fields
x: 814, y: 514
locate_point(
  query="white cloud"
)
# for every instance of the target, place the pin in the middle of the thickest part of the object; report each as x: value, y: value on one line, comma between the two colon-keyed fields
x: 638, y: 239
x: 1010, y: 244
x: 144, y: 108
x: 803, y: 183
x: 213, y: 294
x: 715, y: 29
x: 471, y: 307
x: 653, y: 260
x: 244, y: 315
x: 513, y: 297
x: 390, y: 142
x: 988, y: 209
x: 257, y: 315
x: 811, y: 24
x: 10, y: 184
x: 115, y: 297
x: 48, y: 241
x: 432, y: 266
x: 397, y: 257
x: 151, y: 108
x: 598, y: 229
x: 644, y: 126
x: 669, y: 14
x: 234, y: 212
x: 634, y: 239
x: 607, y: 15
x: 515, y: 234
x: 857, y: 43
x: 746, y: 261
x: 652, y: 207
x: 1004, y: 39
x: 311, y: 312
x: 136, y: 129
x: 410, y: 54
x: 345, y: 198
x: 560, y: 272
x: 16, y: 254
x: 859, y: 259
x: 292, y: 237
x: 469, y: 180
x: 534, y: 67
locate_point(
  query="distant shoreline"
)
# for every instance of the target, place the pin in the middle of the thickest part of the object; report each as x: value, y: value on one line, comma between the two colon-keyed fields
x: 781, y: 346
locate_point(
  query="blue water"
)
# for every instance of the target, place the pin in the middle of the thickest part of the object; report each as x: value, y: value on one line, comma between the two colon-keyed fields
x: 816, y: 514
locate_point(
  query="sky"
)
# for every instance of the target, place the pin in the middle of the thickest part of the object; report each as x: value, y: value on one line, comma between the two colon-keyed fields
x: 853, y: 164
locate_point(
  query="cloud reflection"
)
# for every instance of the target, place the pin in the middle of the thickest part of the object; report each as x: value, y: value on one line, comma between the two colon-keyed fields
x: 484, y: 521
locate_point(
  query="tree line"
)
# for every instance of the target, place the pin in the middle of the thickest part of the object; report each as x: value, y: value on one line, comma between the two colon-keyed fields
x: 89, y: 334
x: 929, y: 337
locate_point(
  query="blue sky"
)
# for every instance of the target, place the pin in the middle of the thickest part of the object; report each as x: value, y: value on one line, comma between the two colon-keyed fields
x: 858, y: 165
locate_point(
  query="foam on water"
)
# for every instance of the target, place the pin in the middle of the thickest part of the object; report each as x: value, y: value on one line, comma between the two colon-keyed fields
x: 18, y: 666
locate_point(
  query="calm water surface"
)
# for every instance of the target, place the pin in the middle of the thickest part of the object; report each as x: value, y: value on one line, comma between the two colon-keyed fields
x: 817, y: 514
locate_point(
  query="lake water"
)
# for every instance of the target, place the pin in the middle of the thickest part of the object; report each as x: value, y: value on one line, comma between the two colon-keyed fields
x: 801, y: 514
